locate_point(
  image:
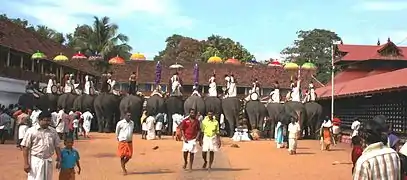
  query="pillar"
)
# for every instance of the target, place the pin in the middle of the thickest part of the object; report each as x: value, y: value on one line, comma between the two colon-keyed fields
x: 22, y: 62
x: 8, y: 58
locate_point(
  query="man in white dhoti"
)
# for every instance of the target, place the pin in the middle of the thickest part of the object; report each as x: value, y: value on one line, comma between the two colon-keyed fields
x: 312, y: 94
x: 88, y: 85
x: 69, y: 83
x: 190, y: 132
x: 355, y: 127
x: 295, y: 94
x: 212, y: 91
x: 39, y: 145
x: 111, y: 82
x: 175, y: 85
x: 211, y: 139
x: 51, y: 82
x: 275, y: 94
x: 176, y: 121
x: 87, y: 122
x: 34, y: 115
x: 150, y: 122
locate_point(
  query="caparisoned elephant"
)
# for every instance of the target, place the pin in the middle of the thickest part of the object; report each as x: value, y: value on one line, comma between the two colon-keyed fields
x: 231, y: 108
x: 194, y: 102
x: 66, y: 101
x: 256, y: 112
x: 292, y: 108
x: 213, y: 104
x: 155, y: 104
x: 43, y: 102
x: 174, y: 105
x: 134, y: 105
x: 274, y: 110
x: 314, y: 112
x: 107, y: 111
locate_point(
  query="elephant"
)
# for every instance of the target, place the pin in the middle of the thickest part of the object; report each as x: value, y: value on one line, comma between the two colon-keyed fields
x: 256, y: 112
x: 134, y: 105
x: 107, y: 111
x: 84, y: 102
x: 213, y: 104
x: 155, y: 104
x: 230, y: 108
x: 194, y: 102
x: 43, y: 102
x: 291, y: 108
x: 314, y: 112
x: 274, y: 110
x: 173, y: 105
x: 66, y: 101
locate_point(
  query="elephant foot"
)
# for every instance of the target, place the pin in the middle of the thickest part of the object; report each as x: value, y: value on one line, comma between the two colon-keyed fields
x: 106, y: 130
x: 100, y: 130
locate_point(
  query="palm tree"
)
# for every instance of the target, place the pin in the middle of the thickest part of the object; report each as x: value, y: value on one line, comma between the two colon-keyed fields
x: 103, y: 38
x: 46, y: 32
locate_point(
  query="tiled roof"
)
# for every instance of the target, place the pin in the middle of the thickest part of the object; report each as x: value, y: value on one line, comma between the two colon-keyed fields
x: 265, y: 74
x: 368, y: 52
x: 20, y: 39
x: 348, y: 75
x: 366, y: 85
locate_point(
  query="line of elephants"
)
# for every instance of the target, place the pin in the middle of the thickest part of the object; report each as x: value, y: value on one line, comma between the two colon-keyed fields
x: 110, y: 108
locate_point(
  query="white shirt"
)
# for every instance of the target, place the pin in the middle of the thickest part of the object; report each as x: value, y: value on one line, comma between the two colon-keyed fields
x: 54, y: 118
x: 22, y: 130
x: 275, y: 96
x: 124, y: 130
x: 293, y: 129
x: 34, y: 116
x: 295, y: 95
x: 75, y: 123
x: 87, y: 116
x: 60, y: 125
x: 355, y: 127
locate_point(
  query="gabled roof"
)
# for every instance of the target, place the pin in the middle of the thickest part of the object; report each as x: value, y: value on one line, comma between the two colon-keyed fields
x: 367, y: 85
x: 244, y: 74
x: 369, y: 52
x: 21, y: 39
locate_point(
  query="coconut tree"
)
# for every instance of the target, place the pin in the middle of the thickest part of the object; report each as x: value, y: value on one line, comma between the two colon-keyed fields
x: 49, y: 33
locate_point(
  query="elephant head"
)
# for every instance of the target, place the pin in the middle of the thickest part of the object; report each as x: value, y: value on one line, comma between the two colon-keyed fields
x: 84, y: 102
x: 231, y: 109
x: 256, y: 112
x: 314, y: 112
x: 173, y: 105
x: 155, y: 104
x: 107, y: 111
x: 66, y: 101
x: 28, y: 100
x: 274, y: 110
x: 194, y: 102
x: 213, y: 104
x: 134, y: 105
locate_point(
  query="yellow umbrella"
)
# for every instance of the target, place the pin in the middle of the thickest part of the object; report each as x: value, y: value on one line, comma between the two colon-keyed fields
x: 137, y: 57
x: 214, y: 59
x: 61, y: 57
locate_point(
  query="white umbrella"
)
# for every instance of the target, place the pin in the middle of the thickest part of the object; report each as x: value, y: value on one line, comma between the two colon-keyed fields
x: 176, y: 66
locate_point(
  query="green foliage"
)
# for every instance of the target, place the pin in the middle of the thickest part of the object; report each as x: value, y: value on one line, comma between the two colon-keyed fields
x: 186, y: 49
x: 313, y: 46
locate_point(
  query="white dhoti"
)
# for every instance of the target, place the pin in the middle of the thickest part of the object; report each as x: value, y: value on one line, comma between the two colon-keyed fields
x: 336, y: 130
x: 41, y: 169
x: 241, y: 135
x: 209, y: 144
x: 292, y: 144
x: 87, y: 88
x: 190, y: 146
x: 150, y: 134
x: 86, y: 125
x: 158, y: 126
x: 144, y: 126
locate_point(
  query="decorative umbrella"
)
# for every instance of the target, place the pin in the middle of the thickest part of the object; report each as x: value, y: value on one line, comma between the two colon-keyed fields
x: 309, y: 66
x: 96, y: 57
x: 275, y: 63
x: 38, y: 55
x: 176, y: 66
x: 196, y: 75
x: 137, y: 57
x: 158, y: 69
x: 117, y: 61
x: 61, y: 57
x: 214, y: 59
x: 292, y: 68
x: 232, y: 61
x: 79, y: 56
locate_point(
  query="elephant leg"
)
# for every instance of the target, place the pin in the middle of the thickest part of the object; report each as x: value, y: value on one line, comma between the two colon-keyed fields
x: 273, y: 127
x: 101, y: 124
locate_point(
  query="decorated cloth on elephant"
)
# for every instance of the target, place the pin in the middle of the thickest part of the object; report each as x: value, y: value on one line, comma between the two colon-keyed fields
x: 326, y: 134
x: 278, y: 134
x: 51, y: 82
x: 212, y: 92
x: 150, y: 123
x: 156, y: 92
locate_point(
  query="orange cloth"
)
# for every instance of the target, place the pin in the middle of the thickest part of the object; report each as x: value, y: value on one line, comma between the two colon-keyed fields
x: 67, y: 174
x: 327, y: 136
x: 125, y: 149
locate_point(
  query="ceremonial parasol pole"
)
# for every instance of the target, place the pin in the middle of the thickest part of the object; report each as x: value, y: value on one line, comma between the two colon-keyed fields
x: 332, y: 78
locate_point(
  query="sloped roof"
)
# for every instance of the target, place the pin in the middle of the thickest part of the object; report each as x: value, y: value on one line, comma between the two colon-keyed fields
x: 366, y: 85
x: 244, y: 75
x: 20, y: 39
x: 369, y: 52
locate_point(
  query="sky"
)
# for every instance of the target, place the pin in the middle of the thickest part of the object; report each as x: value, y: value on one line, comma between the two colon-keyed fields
x: 264, y: 27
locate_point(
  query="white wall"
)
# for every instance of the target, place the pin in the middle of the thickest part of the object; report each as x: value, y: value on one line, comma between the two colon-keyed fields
x: 10, y: 90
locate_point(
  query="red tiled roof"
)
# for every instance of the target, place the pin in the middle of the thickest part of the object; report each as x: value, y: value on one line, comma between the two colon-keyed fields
x: 348, y: 75
x: 265, y: 74
x: 371, y: 84
x: 368, y: 52
x: 20, y: 39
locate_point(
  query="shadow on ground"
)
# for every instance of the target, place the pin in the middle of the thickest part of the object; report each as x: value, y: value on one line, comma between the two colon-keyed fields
x: 104, y: 155
x: 224, y: 169
x: 160, y: 171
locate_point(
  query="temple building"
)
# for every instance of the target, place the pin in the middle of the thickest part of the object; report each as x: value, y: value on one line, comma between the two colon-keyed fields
x: 372, y: 82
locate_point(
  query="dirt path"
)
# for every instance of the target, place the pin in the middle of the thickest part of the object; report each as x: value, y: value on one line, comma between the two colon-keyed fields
x: 253, y: 160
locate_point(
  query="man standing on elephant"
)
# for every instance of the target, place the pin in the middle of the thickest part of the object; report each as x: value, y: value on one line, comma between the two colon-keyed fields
x: 190, y: 132
x: 210, y: 139
x: 295, y: 94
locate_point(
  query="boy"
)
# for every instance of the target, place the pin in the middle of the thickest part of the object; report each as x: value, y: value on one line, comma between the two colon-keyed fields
x: 75, y: 124
x: 69, y: 159
x: 293, y: 133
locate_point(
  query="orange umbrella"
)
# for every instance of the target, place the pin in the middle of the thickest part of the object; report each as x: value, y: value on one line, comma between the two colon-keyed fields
x: 233, y: 61
x: 117, y: 61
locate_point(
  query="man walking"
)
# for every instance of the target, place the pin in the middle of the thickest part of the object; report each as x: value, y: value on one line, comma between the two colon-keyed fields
x: 377, y: 161
x: 190, y: 132
x: 124, y: 134
x: 39, y: 144
x: 210, y: 140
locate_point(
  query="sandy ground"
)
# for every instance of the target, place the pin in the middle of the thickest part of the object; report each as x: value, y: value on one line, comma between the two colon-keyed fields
x: 259, y: 160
